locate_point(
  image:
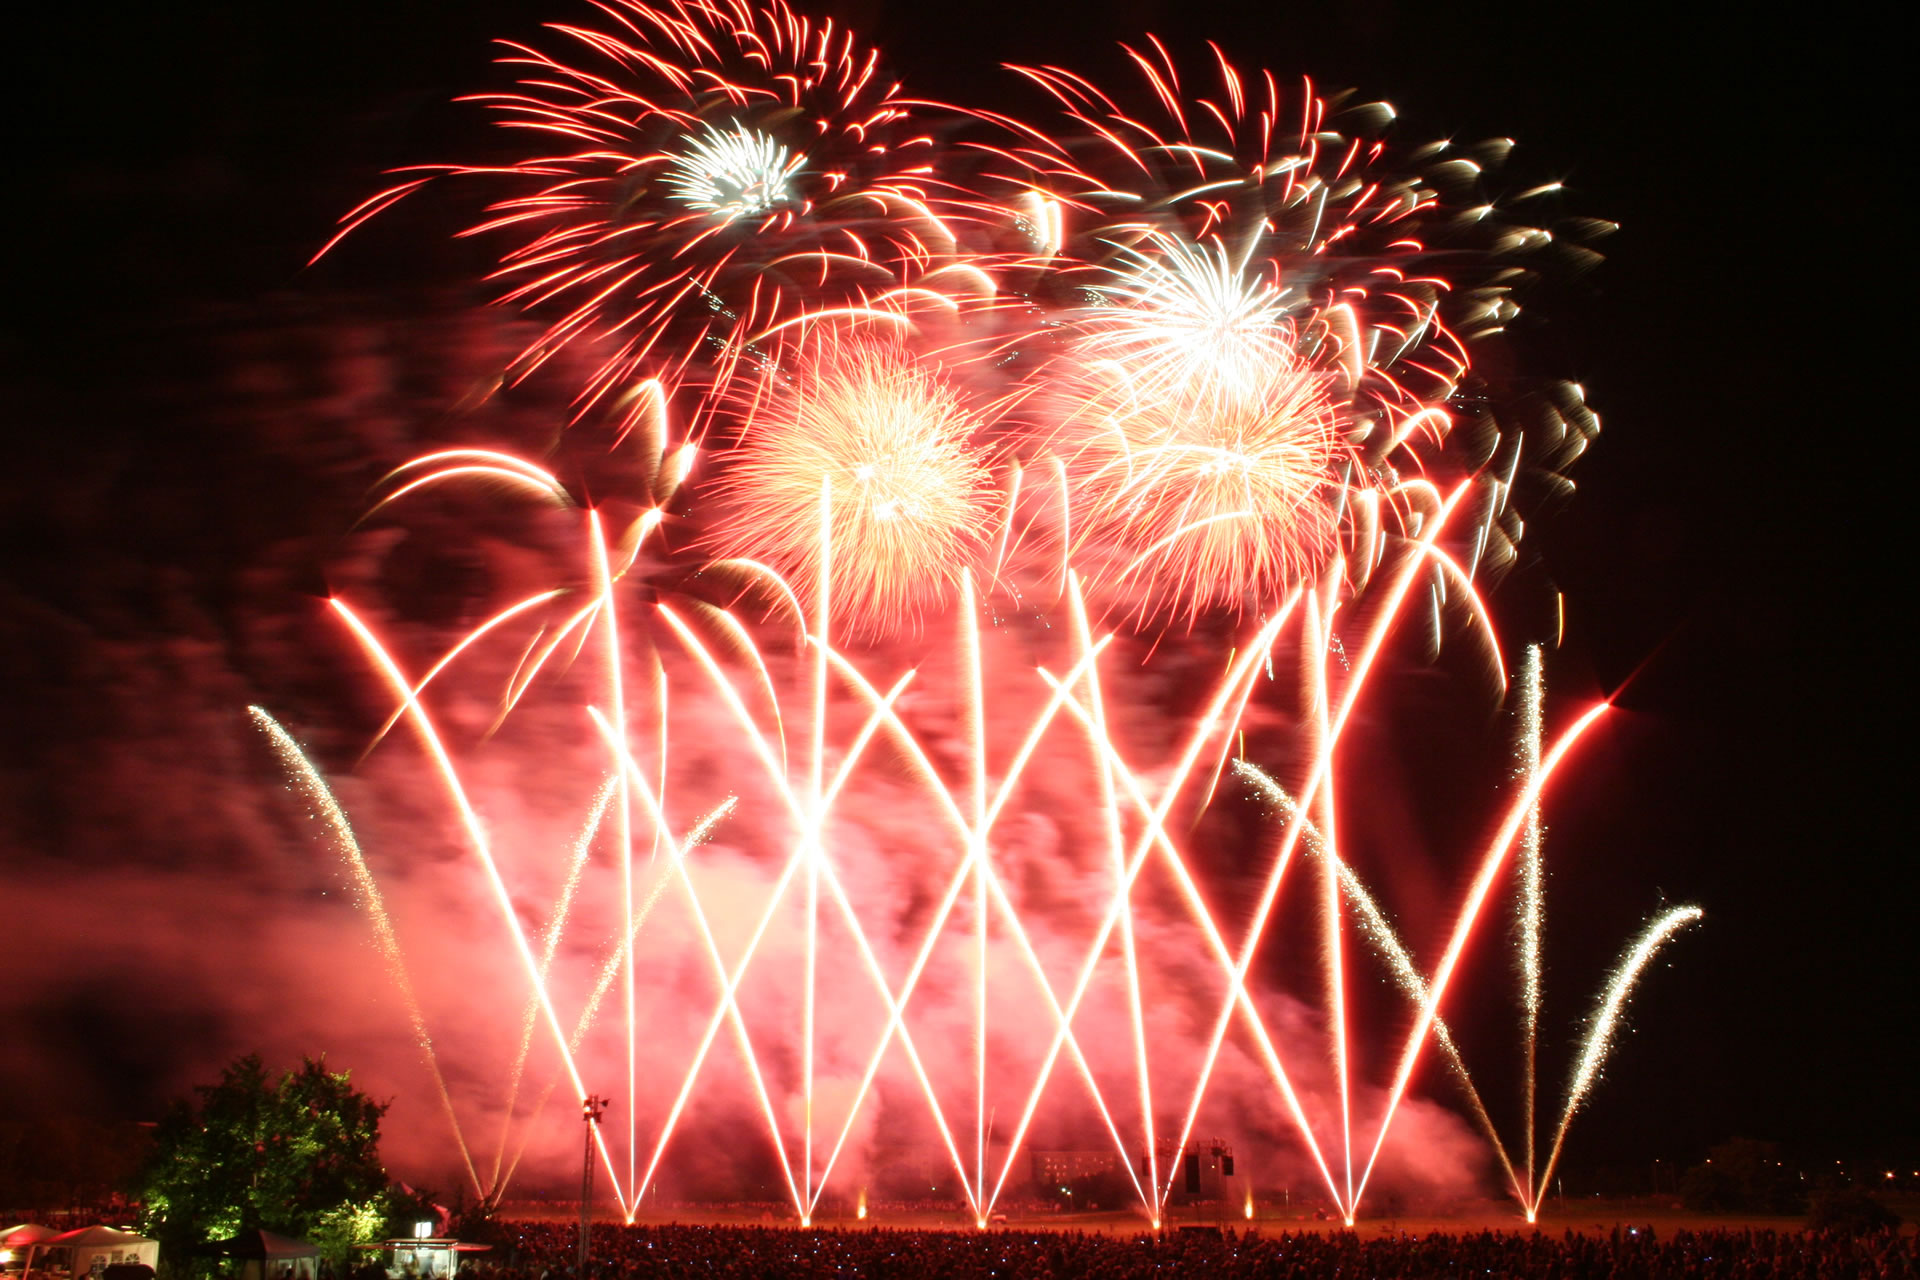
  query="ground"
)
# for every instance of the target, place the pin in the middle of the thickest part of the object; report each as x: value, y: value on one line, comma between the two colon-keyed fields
x: 1595, y: 1216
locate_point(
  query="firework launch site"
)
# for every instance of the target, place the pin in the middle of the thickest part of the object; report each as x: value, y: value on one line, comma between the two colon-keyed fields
x: 1404, y: 1250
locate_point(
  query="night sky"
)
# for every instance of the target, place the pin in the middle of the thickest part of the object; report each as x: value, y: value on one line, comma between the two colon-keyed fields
x: 1731, y: 541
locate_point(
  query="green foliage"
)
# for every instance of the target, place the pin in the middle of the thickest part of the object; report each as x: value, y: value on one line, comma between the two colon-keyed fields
x: 337, y: 1230
x: 1742, y: 1176
x: 298, y: 1155
x: 1850, y: 1211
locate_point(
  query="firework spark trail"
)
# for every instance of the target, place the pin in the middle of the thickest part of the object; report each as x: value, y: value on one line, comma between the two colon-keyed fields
x: 1495, y: 858
x: 807, y: 816
x: 1532, y: 903
x: 1319, y: 630
x: 1208, y: 723
x: 975, y: 842
x: 1600, y: 1031
x: 549, y: 944
x: 1097, y: 733
x: 813, y: 821
x: 610, y: 971
x: 314, y: 787
x: 1387, y: 941
x: 482, y: 847
x: 976, y: 728
x: 446, y: 659
x: 883, y: 709
x: 623, y: 811
x: 1396, y: 596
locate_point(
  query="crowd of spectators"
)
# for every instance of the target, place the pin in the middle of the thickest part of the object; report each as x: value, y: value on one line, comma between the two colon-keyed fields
x: 547, y: 1251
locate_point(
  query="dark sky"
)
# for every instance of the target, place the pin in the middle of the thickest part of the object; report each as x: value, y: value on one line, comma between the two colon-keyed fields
x: 1732, y: 538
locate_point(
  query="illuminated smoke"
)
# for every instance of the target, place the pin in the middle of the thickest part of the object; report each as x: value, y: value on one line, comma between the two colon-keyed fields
x: 1225, y: 379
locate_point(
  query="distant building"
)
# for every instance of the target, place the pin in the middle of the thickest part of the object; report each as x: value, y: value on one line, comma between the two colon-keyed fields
x: 1206, y: 1172
x: 1063, y: 1168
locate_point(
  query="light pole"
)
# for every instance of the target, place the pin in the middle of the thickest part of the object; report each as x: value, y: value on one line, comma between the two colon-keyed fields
x: 591, y: 1109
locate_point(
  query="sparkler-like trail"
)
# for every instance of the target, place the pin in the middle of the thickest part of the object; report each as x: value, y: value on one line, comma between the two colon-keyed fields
x: 477, y: 837
x: 1476, y: 898
x: 314, y: 787
x: 1532, y: 904
x: 1600, y: 1030
x: 1195, y: 352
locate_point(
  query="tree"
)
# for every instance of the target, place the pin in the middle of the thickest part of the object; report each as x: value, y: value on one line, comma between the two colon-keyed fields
x: 1742, y: 1176
x: 298, y: 1155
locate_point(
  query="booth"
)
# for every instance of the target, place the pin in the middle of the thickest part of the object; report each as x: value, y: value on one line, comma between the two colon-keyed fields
x: 425, y: 1257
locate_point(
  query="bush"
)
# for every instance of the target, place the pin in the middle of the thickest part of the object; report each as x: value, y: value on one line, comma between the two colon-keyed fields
x: 1742, y: 1176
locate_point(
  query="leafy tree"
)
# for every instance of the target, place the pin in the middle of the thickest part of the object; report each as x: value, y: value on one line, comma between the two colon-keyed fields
x: 298, y: 1155
x: 1742, y: 1176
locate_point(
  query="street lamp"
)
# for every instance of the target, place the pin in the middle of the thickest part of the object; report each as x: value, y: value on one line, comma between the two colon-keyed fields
x: 591, y: 1109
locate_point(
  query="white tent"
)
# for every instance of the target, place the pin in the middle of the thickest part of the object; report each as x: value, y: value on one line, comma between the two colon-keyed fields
x: 89, y: 1243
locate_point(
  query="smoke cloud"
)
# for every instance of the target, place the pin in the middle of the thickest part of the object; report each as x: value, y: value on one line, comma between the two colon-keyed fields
x: 173, y: 901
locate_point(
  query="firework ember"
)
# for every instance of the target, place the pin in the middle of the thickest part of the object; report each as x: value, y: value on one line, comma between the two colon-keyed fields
x: 1228, y: 381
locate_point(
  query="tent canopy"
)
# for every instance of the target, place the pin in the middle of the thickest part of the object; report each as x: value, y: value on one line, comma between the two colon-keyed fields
x: 94, y: 1237
x: 25, y: 1234
x: 266, y: 1246
x: 89, y: 1243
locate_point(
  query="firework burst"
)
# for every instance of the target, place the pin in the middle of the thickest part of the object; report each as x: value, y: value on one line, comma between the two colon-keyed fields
x: 1185, y: 318
x: 881, y: 443
x: 1217, y: 225
x: 1217, y: 492
x: 1238, y: 331
x: 710, y: 169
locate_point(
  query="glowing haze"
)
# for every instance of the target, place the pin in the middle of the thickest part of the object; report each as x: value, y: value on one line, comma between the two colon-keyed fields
x: 852, y: 674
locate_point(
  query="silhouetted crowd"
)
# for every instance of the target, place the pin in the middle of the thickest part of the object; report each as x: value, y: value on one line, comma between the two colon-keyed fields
x: 547, y: 1251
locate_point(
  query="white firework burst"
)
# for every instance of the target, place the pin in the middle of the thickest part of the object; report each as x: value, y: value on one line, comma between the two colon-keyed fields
x: 733, y: 173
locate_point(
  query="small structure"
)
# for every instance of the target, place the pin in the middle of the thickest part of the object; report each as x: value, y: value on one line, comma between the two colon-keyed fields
x: 97, y: 1248
x: 262, y: 1255
x: 437, y: 1257
x: 20, y: 1243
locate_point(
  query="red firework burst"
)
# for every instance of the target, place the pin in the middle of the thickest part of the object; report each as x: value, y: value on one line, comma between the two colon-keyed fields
x: 712, y: 170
